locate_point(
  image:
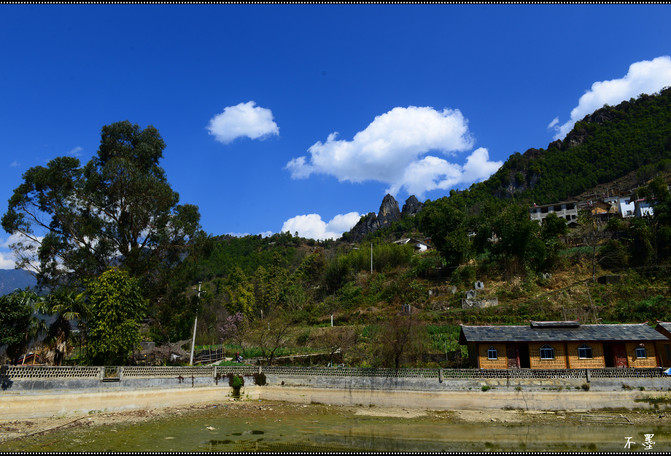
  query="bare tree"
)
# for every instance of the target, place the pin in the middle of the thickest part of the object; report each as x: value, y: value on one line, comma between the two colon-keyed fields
x: 403, y: 335
x: 336, y: 340
x: 270, y: 334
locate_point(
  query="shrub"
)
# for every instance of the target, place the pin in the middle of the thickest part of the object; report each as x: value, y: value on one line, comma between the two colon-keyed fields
x: 585, y: 386
x: 236, y: 381
x: 486, y: 387
x: 260, y: 379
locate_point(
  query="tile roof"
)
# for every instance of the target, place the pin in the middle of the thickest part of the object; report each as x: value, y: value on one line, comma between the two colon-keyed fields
x: 567, y: 333
x: 665, y: 325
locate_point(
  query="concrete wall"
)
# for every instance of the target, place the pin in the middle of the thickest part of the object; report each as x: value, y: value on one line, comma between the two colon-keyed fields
x: 22, y: 406
x: 43, y: 398
x: 57, y: 386
x: 461, y: 400
x: 466, y: 385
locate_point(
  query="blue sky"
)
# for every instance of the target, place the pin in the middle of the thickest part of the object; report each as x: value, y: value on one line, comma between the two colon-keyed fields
x: 302, y: 117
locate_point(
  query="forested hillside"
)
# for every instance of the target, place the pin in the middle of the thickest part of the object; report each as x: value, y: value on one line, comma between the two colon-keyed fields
x: 606, y: 145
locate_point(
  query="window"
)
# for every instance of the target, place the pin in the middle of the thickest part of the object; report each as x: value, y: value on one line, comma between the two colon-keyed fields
x: 492, y: 353
x: 547, y: 352
x: 640, y: 352
x: 585, y: 352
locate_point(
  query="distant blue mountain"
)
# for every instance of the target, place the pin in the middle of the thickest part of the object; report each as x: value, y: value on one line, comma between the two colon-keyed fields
x: 11, y: 279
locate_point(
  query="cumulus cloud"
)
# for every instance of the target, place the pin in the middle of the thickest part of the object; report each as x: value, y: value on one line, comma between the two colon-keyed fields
x: 392, y: 150
x: 14, y: 164
x: 647, y: 76
x: 433, y: 173
x: 244, y: 119
x: 312, y: 226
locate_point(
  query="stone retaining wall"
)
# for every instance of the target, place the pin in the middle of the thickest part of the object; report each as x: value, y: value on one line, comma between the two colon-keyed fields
x: 36, y: 379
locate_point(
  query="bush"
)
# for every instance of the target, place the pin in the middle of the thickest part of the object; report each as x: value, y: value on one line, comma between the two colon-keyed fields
x: 585, y: 386
x: 486, y: 387
x: 236, y: 381
x: 260, y: 379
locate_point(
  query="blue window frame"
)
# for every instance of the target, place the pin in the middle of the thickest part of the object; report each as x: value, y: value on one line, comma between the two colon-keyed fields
x: 641, y: 352
x: 585, y: 352
x: 492, y: 353
x: 547, y: 352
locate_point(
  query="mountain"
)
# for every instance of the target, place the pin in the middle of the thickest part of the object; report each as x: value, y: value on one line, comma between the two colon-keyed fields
x: 11, y: 279
x: 634, y: 136
x: 386, y: 216
x: 612, y: 150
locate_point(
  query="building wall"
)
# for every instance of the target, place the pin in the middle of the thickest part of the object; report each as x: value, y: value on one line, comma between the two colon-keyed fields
x: 559, y: 361
x: 597, y: 360
x: 664, y: 350
x: 649, y: 361
x: 485, y: 363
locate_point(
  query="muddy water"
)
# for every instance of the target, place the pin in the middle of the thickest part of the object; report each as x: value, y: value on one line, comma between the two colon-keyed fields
x: 214, y: 429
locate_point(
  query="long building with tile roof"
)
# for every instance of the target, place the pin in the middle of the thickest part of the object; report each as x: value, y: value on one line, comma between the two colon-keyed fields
x: 563, y: 345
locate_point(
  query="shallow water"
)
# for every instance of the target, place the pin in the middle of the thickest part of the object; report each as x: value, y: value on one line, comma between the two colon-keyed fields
x: 213, y: 430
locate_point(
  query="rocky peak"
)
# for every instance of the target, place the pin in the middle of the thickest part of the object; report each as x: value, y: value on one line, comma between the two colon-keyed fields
x: 388, y: 214
x: 411, y: 207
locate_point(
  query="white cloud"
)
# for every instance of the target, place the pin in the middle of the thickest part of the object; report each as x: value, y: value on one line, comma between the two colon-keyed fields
x: 76, y: 152
x: 6, y: 260
x: 312, y: 226
x: 244, y: 119
x: 14, y: 164
x: 392, y: 150
x: 647, y: 76
x: 554, y: 122
x: 433, y: 173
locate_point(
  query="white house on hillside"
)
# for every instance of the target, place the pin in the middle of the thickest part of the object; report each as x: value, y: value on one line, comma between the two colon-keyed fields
x: 626, y: 207
x: 566, y: 210
x: 418, y: 245
x: 643, y: 208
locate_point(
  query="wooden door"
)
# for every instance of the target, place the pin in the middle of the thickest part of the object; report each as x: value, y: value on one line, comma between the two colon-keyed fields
x: 620, y: 355
x: 512, y: 350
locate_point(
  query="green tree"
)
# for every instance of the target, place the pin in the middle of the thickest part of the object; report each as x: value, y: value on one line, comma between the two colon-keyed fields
x: 16, y: 310
x: 240, y: 293
x: 66, y: 305
x: 116, y: 309
x: 445, y: 224
x: 74, y: 222
x: 514, y: 239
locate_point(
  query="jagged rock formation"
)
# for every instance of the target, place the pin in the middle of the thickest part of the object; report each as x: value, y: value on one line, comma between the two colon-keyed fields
x: 411, y: 207
x: 389, y: 211
x: 388, y: 214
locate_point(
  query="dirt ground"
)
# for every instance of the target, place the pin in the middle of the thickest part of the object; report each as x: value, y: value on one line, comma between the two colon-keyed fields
x: 18, y: 429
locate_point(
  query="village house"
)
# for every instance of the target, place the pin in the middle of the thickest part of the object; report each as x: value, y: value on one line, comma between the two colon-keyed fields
x: 627, y: 207
x: 643, y: 208
x: 566, y: 210
x: 418, y: 245
x: 562, y: 345
x: 664, y: 348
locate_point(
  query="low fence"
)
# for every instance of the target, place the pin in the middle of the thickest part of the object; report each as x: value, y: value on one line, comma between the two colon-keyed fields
x: 128, y: 372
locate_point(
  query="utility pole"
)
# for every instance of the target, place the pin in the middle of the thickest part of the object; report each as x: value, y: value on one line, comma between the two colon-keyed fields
x: 371, y: 258
x: 195, y: 323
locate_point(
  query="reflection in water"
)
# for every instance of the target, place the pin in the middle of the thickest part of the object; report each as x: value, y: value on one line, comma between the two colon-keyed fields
x: 213, y: 430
